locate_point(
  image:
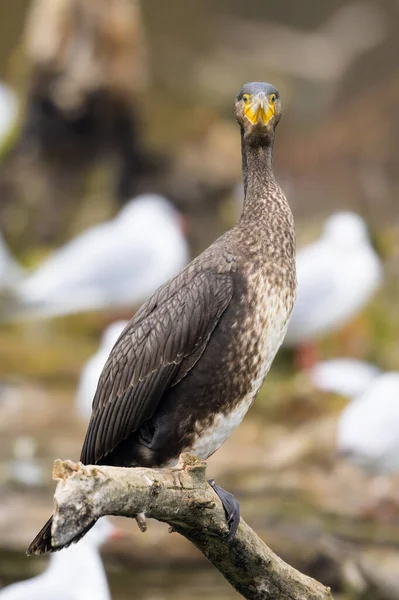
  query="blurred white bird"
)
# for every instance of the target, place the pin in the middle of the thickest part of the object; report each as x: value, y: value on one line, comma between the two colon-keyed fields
x: 92, y: 369
x: 337, y: 276
x: 10, y: 271
x: 344, y: 376
x: 368, y: 428
x: 8, y: 110
x: 117, y: 263
x: 76, y: 573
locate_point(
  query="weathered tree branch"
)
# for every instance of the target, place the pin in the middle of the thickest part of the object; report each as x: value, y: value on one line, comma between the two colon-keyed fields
x: 181, y: 497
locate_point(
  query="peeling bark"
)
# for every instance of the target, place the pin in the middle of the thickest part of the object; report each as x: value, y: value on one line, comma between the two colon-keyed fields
x: 181, y: 497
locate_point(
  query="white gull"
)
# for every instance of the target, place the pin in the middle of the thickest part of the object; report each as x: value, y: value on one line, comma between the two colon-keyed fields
x: 118, y: 263
x: 344, y: 376
x: 368, y: 428
x: 76, y: 573
x: 337, y: 276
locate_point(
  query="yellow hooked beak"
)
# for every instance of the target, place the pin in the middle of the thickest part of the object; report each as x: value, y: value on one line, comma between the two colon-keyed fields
x: 259, y: 109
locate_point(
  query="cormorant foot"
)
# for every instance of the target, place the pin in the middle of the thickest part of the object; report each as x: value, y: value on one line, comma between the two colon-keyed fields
x: 231, y: 508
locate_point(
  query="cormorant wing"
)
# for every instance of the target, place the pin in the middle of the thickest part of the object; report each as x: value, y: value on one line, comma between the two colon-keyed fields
x: 155, y: 351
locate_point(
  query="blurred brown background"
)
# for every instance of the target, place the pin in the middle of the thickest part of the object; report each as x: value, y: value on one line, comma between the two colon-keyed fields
x: 155, y: 94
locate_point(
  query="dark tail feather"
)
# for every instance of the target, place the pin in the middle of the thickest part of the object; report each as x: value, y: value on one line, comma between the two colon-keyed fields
x: 42, y: 542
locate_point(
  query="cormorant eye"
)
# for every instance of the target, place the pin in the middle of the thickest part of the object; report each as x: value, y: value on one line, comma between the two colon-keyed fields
x: 245, y: 98
x: 273, y: 98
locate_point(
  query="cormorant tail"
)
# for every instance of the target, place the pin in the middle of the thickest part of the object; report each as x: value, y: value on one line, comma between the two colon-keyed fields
x: 42, y: 542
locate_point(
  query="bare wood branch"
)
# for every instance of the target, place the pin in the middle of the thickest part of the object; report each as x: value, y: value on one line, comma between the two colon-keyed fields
x: 181, y: 497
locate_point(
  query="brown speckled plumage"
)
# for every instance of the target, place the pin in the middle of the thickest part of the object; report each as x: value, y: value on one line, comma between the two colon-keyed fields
x: 191, y: 361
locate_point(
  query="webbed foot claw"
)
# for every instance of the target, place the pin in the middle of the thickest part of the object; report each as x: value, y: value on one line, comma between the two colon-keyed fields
x: 231, y: 508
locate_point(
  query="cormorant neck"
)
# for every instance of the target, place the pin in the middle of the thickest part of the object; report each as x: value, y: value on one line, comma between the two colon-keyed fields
x: 266, y: 227
x: 257, y: 170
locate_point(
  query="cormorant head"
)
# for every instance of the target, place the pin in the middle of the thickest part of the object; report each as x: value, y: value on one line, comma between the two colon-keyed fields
x: 258, y: 110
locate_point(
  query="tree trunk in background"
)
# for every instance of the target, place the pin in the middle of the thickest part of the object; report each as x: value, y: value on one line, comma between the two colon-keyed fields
x: 87, y: 66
